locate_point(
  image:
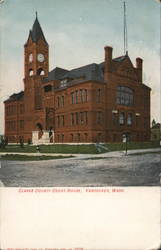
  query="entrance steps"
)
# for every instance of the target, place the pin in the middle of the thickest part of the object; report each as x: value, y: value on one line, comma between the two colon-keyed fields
x: 44, y: 139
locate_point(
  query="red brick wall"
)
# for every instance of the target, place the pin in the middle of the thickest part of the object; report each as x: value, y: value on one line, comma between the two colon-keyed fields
x: 95, y: 118
x: 14, y: 120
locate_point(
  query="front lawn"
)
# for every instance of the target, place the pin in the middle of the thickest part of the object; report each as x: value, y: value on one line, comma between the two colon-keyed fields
x: 15, y: 157
x: 80, y: 149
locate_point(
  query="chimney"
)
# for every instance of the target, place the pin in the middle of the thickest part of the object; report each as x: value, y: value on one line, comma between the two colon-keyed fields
x: 139, y: 66
x: 108, y: 61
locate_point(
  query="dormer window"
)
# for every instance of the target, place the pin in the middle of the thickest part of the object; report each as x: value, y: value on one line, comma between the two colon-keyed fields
x: 63, y: 83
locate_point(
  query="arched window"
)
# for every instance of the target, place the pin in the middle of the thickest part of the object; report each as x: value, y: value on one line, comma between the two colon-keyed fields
x: 125, y: 96
x: 40, y: 72
x: 31, y: 72
x: 39, y: 126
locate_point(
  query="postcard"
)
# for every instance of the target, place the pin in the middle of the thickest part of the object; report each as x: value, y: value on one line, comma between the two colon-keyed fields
x: 80, y: 130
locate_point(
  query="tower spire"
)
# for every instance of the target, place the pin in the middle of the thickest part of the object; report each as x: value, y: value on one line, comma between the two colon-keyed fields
x: 36, y: 14
x: 125, y: 32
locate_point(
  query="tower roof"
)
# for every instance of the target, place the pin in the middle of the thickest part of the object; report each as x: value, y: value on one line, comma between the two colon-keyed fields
x: 36, y: 33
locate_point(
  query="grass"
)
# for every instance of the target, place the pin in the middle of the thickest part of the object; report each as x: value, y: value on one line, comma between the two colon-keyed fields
x: 70, y: 149
x: 132, y: 145
x: 57, y: 148
x: 14, y: 157
x: 79, y: 149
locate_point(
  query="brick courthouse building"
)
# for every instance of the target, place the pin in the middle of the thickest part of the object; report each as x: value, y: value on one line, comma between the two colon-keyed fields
x: 93, y: 103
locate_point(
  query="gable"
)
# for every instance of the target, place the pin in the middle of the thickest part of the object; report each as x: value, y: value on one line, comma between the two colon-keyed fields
x: 126, y: 68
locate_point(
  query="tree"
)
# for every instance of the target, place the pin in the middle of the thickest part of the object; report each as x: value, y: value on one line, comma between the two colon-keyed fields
x: 153, y: 123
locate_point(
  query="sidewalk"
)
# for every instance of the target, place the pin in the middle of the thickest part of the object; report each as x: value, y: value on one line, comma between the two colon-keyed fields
x: 107, y: 154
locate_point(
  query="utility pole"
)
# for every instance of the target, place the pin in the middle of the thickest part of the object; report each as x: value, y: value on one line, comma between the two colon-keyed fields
x: 125, y: 32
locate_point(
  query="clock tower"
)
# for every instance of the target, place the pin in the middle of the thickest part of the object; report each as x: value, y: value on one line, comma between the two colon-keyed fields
x: 36, y: 52
x: 36, y: 67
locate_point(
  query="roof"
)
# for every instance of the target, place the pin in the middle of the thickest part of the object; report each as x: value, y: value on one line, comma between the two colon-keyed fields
x: 120, y: 58
x: 93, y: 72
x: 15, y: 97
x: 88, y: 72
x: 55, y: 74
x: 36, y: 33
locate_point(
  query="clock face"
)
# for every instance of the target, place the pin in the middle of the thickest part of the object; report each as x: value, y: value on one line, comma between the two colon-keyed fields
x: 30, y: 58
x: 40, y: 57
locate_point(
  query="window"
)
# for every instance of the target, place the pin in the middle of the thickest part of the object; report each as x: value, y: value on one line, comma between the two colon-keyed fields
x: 62, y: 120
x: 81, y: 95
x: 21, y: 124
x: 72, y: 97
x: 98, y: 95
x: 122, y: 118
x: 58, y: 121
x: 63, y: 83
x: 81, y: 117
x: 129, y: 119
x: 40, y: 72
x: 76, y: 96
x: 58, y: 101
x: 86, y: 117
x: 125, y: 96
x: 62, y: 101
x: 77, y: 118
x: 11, y: 110
x: 11, y: 125
x: 31, y: 72
x: 99, y: 117
x: 47, y: 88
x: 85, y: 97
x: 22, y: 108
x: 137, y: 120
x: 72, y: 119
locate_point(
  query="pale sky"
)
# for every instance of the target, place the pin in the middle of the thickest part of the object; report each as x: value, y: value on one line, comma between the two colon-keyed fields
x: 77, y: 32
